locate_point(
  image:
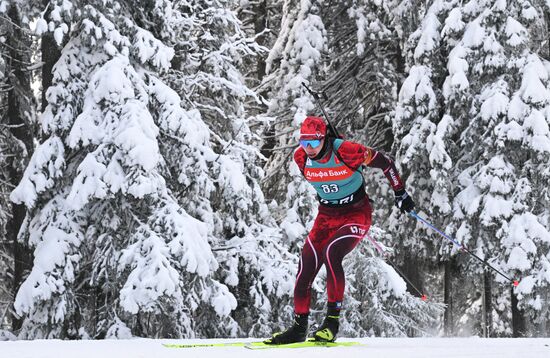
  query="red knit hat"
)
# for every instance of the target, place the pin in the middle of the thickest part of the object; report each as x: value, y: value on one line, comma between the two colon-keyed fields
x: 313, y: 128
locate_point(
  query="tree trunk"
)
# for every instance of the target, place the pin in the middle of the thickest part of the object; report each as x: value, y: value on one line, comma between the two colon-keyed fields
x: 19, y: 99
x: 411, y: 269
x: 50, y: 55
x: 518, y: 320
x: 260, y: 22
x: 450, y: 269
x: 487, y: 307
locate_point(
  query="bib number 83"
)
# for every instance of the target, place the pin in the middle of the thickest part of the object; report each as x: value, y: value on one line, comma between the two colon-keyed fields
x: 330, y: 188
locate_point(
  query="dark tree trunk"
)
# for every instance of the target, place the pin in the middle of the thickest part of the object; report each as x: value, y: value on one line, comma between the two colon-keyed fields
x: 260, y: 24
x: 518, y: 319
x: 450, y: 269
x: 487, y: 305
x: 50, y: 55
x: 19, y: 101
x: 411, y: 269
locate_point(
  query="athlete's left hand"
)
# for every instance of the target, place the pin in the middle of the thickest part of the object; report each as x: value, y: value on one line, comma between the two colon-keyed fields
x: 403, y: 201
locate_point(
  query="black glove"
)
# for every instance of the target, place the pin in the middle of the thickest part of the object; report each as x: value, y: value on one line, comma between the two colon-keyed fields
x: 403, y: 201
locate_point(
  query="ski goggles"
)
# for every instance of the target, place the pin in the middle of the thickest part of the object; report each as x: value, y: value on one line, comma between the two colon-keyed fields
x: 313, y: 143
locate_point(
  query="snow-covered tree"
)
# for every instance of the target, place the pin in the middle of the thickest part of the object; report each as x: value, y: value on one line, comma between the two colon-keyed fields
x: 422, y: 145
x: 484, y: 143
x: 6, y: 257
x: 365, y: 66
x: 505, y: 179
x: 111, y: 239
x: 379, y: 302
x: 293, y: 60
x: 223, y: 188
x: 421, y: 132
x: 18, y: 123
x: 147, y: 182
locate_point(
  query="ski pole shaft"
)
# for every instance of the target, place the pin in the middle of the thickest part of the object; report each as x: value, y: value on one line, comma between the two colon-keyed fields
x: 376, y: 245
x: 462, y: 247
x: 316, y: 98
x: 415, y: 215
x: 385, y: 256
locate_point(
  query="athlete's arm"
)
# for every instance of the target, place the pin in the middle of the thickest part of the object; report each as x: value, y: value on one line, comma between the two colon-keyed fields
x: 355, y: 155
x: 376, y: 159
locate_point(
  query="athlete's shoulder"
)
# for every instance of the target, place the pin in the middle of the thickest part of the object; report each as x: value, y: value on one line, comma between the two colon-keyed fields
x: 351, y: 153
x: 352, y: 150
x: 347, y: 146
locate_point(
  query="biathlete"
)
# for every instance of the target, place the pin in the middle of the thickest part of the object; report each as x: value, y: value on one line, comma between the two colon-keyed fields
x: 334, y: 167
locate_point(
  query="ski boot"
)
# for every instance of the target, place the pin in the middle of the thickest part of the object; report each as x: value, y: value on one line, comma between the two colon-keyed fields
x: 296, y: 333
x: 329, y: 329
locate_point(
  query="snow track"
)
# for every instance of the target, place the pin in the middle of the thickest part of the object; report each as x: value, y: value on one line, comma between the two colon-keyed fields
x: 376, y: 348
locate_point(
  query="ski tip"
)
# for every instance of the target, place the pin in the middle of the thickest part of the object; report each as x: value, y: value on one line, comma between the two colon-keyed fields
x: 516, y: 283
x: 424, y: 298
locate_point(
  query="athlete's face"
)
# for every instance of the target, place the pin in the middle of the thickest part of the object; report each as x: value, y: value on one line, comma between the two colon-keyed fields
x: 312, y: 149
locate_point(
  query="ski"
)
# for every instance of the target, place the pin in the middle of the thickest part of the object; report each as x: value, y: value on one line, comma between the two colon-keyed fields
x: 262, y: 345
x: 199, y: 345
x: 306, y: 344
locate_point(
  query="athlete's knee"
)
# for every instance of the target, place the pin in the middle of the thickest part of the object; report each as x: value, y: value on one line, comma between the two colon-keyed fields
x: 338, y: 248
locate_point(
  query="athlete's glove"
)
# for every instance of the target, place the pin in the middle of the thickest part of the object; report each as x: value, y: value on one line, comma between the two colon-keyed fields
x: 403, y: 201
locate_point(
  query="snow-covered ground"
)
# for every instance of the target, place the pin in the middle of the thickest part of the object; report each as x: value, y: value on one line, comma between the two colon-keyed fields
x: 375, y: 348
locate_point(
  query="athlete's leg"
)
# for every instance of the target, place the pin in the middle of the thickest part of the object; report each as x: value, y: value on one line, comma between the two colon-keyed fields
x: 352, y: 227
x: 344, y: 241
x: 346, y: 238
x: 310, y: 263
x: 307, y: 270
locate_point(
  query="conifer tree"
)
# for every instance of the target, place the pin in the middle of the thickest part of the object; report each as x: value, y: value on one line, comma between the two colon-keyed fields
x: 149, y: 197
x: 223, y: 187
x: 18, y: 123
x: 484, y: 141
x: 507, y: 178
x: 110, y: 240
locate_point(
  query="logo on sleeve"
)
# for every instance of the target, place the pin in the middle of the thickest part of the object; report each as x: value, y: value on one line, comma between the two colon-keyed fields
x: 394, y: 177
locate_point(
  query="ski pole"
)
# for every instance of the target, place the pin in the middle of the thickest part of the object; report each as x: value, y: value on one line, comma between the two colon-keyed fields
x: 462, y: 247
x: 381, y: 251
x: 316, y: 97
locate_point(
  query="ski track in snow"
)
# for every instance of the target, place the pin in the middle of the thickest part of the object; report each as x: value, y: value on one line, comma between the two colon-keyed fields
x: 376, y: 348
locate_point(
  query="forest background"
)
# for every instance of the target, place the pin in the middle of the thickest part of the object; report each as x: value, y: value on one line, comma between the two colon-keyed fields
x: 146, y: 178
